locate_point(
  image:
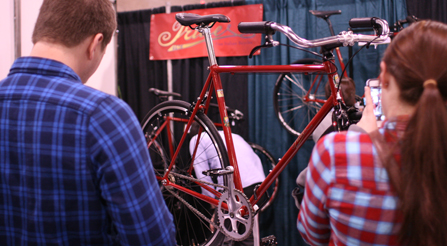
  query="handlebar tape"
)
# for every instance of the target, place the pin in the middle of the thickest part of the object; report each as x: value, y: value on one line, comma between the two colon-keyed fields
x: 362, y: 22
x: 254, y: 27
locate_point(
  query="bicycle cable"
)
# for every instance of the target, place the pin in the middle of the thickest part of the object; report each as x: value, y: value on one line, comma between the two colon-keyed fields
x: 350, y: 61
x: 299, y: 48
x: 313, y: 53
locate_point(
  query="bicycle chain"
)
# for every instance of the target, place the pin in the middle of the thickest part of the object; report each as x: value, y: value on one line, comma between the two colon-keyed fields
x: 198, y: 180
x: 198, y: 213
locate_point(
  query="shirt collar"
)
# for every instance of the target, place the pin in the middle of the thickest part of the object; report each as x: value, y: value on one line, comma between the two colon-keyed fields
x: 394, y: 128
x: 43, y: 66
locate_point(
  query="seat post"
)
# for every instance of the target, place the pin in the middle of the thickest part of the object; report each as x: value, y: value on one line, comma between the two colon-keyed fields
x: 209, y: 45
x: 331, y: 28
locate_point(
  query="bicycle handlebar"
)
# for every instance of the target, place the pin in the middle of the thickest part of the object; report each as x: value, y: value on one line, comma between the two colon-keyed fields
x: 345, y: 38
x: 255, y: 27
x: 362, y: 22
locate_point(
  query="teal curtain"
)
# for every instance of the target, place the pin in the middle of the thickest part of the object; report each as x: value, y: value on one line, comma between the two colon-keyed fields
x: 265, y: 128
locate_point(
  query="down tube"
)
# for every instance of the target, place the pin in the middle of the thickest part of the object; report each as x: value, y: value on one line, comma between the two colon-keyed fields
x: 291, y: 152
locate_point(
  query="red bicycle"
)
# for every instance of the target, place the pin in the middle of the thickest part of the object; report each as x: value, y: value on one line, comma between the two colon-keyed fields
x: 207, y: 219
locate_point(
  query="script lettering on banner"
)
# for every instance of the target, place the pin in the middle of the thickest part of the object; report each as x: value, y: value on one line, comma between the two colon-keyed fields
x: 170, y: 40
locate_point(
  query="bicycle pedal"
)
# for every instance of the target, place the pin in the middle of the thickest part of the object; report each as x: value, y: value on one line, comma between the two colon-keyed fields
x: 269, y: 240
x: 216, y: 172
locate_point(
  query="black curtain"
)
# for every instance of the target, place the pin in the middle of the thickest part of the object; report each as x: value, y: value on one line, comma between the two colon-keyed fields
x: 428, y: 9
x: 191, y: 74
x: 136, y: 73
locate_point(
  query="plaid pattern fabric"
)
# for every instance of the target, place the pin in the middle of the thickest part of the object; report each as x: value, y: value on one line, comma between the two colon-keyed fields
x: 348, y: 199
x: 74, y: 169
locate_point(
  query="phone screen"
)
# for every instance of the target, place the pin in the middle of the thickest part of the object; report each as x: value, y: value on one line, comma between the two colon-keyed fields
x: 376, y: 95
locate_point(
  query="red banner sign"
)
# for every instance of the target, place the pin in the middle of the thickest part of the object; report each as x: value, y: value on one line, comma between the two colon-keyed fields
x: 170, y: 40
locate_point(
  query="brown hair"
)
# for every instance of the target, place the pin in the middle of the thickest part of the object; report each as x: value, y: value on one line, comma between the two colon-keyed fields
x: 347, y: 89
x: 69, y: 22
x: 416, y: 55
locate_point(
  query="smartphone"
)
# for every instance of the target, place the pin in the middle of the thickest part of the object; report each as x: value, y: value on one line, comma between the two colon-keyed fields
x: 376, y: 95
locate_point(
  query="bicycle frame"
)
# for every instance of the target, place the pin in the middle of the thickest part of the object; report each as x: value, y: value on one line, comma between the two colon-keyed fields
x: 213, y: 84
x: 325, y: 68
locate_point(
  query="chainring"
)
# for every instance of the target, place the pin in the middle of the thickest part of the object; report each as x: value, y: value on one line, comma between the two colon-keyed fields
x: 233, y: 224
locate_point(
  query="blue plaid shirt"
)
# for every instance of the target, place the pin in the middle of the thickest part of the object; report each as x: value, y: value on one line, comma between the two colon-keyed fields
x: 74, y: 168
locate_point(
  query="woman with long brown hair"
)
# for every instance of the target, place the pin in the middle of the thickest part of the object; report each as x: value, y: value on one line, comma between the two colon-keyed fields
x: 388, y: 186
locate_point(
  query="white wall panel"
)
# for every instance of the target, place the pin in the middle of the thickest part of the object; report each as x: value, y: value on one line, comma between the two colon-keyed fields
x: 105, y: 77
x: 7, y: 39
x: 130, y: 5
x: 30, y: 11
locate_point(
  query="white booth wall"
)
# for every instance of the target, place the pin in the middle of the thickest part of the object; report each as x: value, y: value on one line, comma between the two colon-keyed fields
x: 7, y: 41
x: 131, y: 5
x: 104, y: 79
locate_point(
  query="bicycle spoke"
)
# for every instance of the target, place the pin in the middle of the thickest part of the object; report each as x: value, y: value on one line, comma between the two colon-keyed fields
x: 294, y: 104
x: 293, y: 109
x: 292, y: 91
x: 296, y: 82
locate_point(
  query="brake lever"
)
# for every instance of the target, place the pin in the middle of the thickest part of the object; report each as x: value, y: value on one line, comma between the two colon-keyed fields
x: 269, y: 42
x: 253, y: 51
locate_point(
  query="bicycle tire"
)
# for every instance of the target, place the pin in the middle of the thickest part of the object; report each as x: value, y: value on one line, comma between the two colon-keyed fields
x: 291, y: 108
x: 191, y: 229
x: 268, y: 163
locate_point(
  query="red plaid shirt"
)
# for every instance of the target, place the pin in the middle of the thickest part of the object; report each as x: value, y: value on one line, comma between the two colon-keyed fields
x: 348, y: 199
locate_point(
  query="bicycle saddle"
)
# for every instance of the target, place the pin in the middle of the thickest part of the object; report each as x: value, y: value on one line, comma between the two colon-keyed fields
x: 188, y: 19
x: 162, y: 93
x: 325, y: 14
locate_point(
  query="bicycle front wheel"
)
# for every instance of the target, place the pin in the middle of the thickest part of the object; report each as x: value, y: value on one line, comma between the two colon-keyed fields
x: 297, y: 97
x: 163, y: 128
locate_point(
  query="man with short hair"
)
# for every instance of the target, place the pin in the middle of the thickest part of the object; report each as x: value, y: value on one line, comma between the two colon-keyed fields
x: 74, y: 168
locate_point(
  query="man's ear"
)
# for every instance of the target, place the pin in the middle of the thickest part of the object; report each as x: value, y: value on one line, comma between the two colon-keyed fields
x: 95, y: 45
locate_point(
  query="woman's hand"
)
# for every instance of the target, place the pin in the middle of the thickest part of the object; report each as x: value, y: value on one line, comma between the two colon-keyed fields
x: 368, y: 121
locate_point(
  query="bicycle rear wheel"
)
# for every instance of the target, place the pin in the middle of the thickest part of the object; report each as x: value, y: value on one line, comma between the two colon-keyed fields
x: 163, y: 128
x: 294, y: 97
x: 268, y: 163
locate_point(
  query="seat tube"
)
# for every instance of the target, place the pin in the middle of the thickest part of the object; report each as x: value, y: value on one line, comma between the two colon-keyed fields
x: 217, y: 84
x: 226, y: 127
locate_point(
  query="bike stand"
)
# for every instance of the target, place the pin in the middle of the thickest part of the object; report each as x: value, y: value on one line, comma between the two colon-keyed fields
x: 256, y: 239
x: 265, y: 241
